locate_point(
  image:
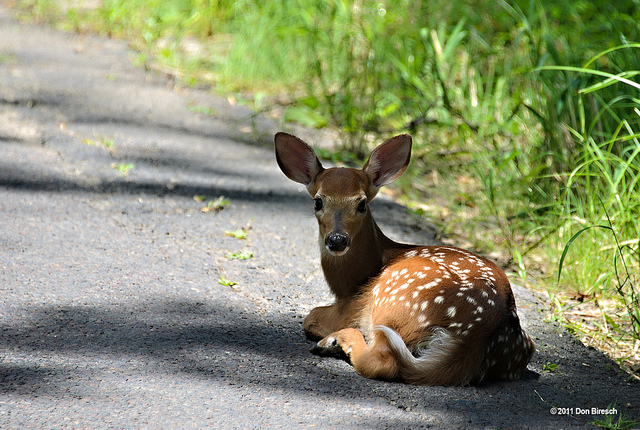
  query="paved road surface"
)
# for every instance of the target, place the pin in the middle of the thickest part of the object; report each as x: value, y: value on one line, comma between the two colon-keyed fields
x: 111, y: 314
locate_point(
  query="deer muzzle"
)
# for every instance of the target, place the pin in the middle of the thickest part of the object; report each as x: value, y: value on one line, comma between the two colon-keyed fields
x: 337, y: 243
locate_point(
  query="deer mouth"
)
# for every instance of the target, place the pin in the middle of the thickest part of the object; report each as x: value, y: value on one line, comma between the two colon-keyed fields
x: 337, y: 253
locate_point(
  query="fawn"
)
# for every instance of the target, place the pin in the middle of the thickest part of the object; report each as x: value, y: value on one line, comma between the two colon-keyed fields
x: 429, y: 315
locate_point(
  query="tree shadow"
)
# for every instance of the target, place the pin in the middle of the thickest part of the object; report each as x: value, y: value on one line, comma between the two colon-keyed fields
x: 217, y: 341
x: 178, y: 336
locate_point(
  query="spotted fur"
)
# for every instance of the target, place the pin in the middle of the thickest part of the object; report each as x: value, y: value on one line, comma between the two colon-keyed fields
x: 432, y: 315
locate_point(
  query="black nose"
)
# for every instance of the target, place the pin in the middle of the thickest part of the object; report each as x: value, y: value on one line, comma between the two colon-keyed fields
x: 337, y: 242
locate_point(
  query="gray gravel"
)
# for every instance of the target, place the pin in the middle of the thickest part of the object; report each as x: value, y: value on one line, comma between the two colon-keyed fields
x: 111, y: 313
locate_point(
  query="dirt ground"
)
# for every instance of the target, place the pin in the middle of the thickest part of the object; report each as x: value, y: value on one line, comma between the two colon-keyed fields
x: 111, y: 310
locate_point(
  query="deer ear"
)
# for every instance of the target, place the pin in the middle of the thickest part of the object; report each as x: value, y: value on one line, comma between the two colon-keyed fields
x: 389, y: 160
x: 296, y: 159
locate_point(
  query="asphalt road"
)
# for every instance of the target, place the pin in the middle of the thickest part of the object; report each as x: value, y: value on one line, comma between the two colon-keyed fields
x: 111, y: 313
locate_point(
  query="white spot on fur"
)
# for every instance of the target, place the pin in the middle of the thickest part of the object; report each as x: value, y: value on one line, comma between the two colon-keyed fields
x: 451, y: 311
x: 439, y: 299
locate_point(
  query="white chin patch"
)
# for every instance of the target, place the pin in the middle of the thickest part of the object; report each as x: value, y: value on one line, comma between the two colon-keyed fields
x: 337, y: 254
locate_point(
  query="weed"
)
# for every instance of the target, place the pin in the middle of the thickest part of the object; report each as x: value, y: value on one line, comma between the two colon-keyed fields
x: 226, y: 282
x: 244, y: 255
x: 240, y: 233
x: 201, y: 109
x: 99, y: 141
x: 123, y: 169
x: 616, y: 421
x: 216, y: 205
x: 7, y: 57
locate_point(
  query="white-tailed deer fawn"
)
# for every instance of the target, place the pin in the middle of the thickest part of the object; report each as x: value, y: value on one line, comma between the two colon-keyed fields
x: 432, y: 315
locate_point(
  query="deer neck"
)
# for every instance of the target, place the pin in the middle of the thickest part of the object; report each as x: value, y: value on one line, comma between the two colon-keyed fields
x: 369, y: 252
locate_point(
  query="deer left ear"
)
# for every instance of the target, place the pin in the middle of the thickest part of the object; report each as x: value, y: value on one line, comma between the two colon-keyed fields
x: 389, y: 160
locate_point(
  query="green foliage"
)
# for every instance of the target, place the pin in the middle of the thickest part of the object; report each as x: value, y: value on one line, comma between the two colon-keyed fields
x: 243, y: 255
x: 227, y: 283
x: 240, y: 233
x: 123, y: 169
x: 216, y: 205
x: 616, y: 421
x: 100, y: 141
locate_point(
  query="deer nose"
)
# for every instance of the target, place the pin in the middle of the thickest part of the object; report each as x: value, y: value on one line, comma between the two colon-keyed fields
x: 337, y: 243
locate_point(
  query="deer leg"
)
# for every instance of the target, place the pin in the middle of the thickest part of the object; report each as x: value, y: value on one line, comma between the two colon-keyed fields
x: 373, y: 361
x: 315, y: 323
x: 324, y: 320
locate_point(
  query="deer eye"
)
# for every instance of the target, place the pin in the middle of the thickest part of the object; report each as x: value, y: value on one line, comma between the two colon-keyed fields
x: 317, y: 204
x: 362, y: 206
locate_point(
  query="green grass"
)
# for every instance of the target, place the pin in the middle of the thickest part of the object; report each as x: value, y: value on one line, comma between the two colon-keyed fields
x: 525, y: 114
x: 243, y: 255
x: 123, y: 169
x: 616, y: 421
x: 216, y: 205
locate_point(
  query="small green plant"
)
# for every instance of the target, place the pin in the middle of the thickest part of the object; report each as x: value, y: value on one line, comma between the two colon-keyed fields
x: 549, y: 367
x: 626, y: 286
x: 243, y: 255
x: 240, y: 233
x: 201, y: 109
x: 226, y: 282
x: 216, y: 205
x: 123, y: 169
x: 7, y: 57
x: 99, y: 141
x: 616, y: 421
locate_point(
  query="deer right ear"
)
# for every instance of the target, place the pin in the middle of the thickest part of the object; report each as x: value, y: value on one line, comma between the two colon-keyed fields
x: 296, y: 159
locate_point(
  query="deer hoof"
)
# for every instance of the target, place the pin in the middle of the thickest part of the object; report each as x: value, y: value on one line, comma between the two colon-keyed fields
x: 328, y: 347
